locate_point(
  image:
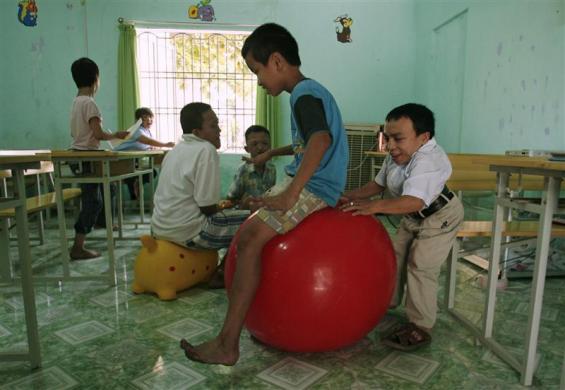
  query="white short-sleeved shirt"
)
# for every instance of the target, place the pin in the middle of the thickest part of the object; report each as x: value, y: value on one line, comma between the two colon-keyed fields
x: 189, y: 179
x: 423, y: 177
x: 83, y: 109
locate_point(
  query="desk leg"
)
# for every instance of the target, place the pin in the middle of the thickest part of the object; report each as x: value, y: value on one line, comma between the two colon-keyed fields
x: 120, y: 202
x: 5, y: 261
x: 152, y: 185
x: 141, y: 199
x: 493, y: 267
x: 109, y: 222
x: 61, y: 219
x: 26, y: 271
x: 40, y: 222
x: 551, y: 197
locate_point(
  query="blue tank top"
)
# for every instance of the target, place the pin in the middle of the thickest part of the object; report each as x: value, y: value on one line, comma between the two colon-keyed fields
x: 328, y: 182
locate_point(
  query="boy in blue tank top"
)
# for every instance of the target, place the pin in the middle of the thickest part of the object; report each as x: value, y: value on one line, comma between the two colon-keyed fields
x: 315, y: 178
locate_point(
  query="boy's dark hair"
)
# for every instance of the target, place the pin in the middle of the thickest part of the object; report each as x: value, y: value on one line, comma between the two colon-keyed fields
x: 421, y: 116
x: 269, y: 38
x: 191, y: 116
x: 143, y: 111
x: 256, y: 129
x: 85, y: 72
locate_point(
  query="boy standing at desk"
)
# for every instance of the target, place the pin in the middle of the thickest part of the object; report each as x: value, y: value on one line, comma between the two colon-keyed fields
x: 253, y: 180
x: 86, y: 130
x: 415, y: 172
x: 316, y: 176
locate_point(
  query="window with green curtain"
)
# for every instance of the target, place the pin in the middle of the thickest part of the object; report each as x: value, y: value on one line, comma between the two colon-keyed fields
x: 267, y: 113
x: 128, y: 84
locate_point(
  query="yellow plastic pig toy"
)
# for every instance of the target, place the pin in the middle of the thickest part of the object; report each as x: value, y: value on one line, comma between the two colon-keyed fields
x: 166, y: 268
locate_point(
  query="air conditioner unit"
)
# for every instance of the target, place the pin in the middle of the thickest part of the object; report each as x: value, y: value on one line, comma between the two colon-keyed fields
x: 362, y: 138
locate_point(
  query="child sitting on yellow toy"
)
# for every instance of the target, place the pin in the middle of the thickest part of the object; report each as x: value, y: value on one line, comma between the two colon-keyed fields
x: 186, y: 200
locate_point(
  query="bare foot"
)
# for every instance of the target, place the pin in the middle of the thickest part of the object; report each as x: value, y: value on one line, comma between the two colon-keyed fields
x: 210, y: 352
x: 83, y: 254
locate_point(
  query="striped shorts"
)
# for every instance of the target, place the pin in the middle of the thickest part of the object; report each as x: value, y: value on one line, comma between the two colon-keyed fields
x: 219, y: 229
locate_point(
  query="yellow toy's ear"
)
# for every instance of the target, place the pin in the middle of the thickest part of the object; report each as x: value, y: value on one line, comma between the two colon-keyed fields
x: 149, y: 242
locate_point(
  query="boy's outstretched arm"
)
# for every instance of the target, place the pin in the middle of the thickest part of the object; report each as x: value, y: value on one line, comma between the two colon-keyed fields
x: 404, y: 204
x: 269, y: 154
x: 153, y: 142
x: 368, y: 190
x: 95, y: 125
x: 317, y: 145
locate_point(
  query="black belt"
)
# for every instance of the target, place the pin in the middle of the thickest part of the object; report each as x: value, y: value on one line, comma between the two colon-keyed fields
x: 444, y: 197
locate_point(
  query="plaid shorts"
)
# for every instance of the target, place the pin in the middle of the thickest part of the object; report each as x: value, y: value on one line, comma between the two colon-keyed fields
x: 219, y: 229
x: 282, y: 222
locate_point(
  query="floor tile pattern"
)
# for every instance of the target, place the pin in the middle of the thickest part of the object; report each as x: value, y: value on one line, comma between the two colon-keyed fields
x: 94, y: 336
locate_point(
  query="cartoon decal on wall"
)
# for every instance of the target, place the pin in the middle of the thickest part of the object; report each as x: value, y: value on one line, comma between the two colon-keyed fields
x: 203, y: 11
x: 27, y: 13
x: 343, y: 28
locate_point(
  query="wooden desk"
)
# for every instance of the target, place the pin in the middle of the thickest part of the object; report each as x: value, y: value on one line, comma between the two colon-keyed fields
x: 109, y: 167
x: 551, y: 174
x: 17, y: 162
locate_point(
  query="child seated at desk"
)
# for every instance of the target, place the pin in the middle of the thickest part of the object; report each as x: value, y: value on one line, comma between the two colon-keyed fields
x: 141, y: 139
x: 253, y: 180
x: 186, y: 207
x: 415, y: 172
x: 86, y: 130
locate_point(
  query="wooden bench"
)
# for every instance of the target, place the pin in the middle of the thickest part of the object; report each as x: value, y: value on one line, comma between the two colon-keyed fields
x: 510, y: 229
x: 38, y: 203
x: 471, y: 173
x: 41, y: 201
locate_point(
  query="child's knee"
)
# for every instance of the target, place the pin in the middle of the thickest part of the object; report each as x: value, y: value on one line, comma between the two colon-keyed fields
x: 253, y: 236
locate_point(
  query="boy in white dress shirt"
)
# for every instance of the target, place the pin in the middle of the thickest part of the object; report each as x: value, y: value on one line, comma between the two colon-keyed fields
x: 415, y: 173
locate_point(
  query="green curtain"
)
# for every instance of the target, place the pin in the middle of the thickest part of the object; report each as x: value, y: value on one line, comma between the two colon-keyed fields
x: 267, y: 113
x: 128, y: 84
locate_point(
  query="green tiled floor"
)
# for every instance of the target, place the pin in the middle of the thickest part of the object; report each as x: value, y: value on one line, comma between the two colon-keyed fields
x: 97, y: 337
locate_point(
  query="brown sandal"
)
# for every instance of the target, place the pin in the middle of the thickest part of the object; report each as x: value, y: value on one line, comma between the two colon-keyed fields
x: 407, y: 337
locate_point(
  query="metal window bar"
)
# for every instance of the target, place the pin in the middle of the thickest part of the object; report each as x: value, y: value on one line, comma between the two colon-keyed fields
x: 178, y: 67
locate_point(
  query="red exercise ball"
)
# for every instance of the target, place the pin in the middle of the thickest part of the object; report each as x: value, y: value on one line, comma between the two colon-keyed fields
x: 324, y: 285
